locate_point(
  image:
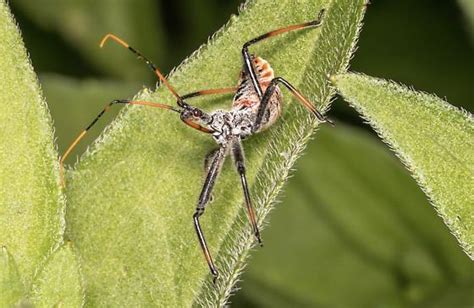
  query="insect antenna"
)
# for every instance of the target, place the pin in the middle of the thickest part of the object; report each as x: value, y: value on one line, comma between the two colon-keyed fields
x: 106, y: 108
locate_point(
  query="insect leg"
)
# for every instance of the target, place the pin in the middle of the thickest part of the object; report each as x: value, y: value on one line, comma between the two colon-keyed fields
x: 248, y: 60
x: 209, y: 91
x: 214, y: 169
x: 106, y: 108
x: 239, y: 160
x: 268, y: 94
x: 150, y: 64
x: 207, y: 161
x: 209, y: 157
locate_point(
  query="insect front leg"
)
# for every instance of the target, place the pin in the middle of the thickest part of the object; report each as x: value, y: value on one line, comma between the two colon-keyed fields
x: 106, y: 108
x: 212, y: 173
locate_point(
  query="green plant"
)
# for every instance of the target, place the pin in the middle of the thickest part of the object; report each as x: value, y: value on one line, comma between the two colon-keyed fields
x: 132, y: 230
x: 431, y: 137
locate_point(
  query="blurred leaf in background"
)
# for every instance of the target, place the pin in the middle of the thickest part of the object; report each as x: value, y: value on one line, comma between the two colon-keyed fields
x: 467, y: 7
x: 421, y: 43
x: 82, y: 23
x: 424, y: 44
x: 353, y: 228
x: 432, y: 138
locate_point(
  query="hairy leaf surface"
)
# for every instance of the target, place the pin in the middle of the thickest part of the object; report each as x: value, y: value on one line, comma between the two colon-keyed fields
x: 59, y: 283
x: 432, y: 138
x: 132, y: 197
x: 31, y: 206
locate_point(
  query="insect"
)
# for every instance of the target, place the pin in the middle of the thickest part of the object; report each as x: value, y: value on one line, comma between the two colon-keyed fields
x: 256, y: 105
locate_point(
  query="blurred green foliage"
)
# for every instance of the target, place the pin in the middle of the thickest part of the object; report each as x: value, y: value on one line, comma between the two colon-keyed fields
x: 413, y: 124
x: 353, y: 229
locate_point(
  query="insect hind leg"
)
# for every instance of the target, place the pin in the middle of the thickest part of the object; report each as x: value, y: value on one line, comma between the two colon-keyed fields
x: 271, y: 90
x: 248, y: 60
x: 239, y: 159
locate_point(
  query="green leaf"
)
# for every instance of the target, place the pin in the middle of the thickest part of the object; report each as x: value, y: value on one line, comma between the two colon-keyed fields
x: 131, y: 198
x: 31, y: 205
x: 353, y: 222
x: 59, y: 284
x: 83, y: 23
x: 11, y: 287
x: 432, y: 138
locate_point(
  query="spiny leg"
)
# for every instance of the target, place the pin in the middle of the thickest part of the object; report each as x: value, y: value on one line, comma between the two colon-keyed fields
x: 268, y: 94
x: 239, y: 159
x: 150, y: 64
x: 214, y: 170
x: 106, y: 108
x: 245, y: 53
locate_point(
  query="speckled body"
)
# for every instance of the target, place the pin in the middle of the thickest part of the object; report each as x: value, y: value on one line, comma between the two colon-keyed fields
x: 256, y: 106
x: 241, y: 118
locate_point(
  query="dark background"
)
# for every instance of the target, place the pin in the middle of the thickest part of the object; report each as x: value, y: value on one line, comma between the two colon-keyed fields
x: 425, y: 44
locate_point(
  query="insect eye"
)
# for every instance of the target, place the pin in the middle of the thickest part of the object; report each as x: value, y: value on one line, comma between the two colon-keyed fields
x: 197, y: 113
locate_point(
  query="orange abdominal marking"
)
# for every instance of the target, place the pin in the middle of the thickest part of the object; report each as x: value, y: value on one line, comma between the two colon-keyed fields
x: 248, y: 98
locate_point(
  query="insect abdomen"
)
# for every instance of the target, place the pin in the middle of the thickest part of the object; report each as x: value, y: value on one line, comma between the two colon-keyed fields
x: 247, y: 97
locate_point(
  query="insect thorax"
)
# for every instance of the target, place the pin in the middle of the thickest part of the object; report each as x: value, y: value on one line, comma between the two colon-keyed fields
x: 229, y: 124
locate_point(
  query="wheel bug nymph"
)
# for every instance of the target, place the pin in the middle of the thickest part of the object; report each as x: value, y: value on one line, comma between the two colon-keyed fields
x: 256, y: 105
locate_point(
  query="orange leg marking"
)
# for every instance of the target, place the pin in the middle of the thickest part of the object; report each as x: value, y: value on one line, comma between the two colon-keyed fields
x: 210, y: 91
